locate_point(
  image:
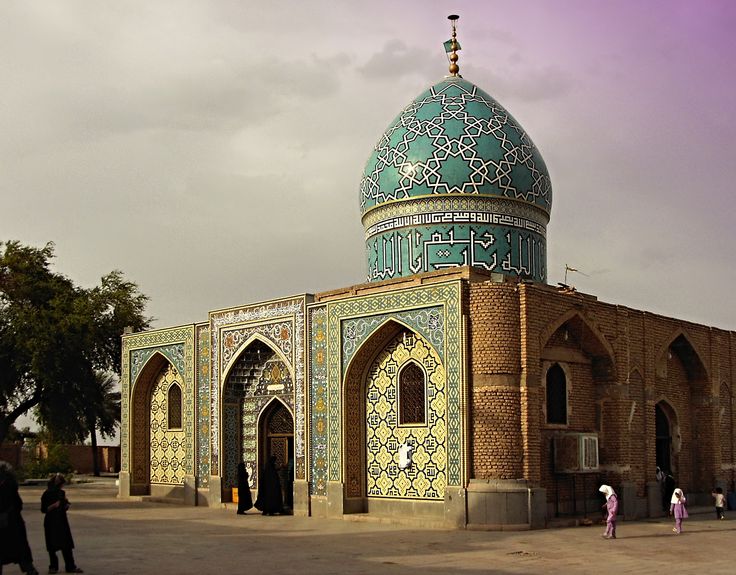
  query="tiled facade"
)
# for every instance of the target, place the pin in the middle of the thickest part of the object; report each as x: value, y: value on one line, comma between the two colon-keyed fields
x: 486, y: 346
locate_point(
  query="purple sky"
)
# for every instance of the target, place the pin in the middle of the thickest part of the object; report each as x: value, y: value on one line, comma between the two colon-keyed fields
x: 212, y: 150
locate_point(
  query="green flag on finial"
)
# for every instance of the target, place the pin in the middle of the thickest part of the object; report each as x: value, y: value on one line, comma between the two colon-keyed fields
x: 448, y: 46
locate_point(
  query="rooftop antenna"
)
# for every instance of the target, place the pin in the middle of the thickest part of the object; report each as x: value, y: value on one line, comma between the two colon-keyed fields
x: 572, y: 269
x: 452, y: 46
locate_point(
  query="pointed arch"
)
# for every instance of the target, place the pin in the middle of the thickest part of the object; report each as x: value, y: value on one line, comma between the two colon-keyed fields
x: 271, y: 404
x: 635, y: 372
x: 681, y: 344
x: 276, y: 439
x: 574, y: 327
x: 140, y: 432
x: 353, y: 392
x: 245, y: 375
x: 243, y: 347
x: 153, y: 365
x: 382, y: 333
x: 370, y: 394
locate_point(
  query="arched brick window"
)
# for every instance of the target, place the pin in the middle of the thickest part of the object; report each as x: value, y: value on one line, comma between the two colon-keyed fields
x: 412, y: 396
x: 556, y: 395
x: 174, y: 407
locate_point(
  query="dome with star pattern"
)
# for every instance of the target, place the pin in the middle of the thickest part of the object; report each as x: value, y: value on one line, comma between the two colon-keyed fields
x: 454, y: 181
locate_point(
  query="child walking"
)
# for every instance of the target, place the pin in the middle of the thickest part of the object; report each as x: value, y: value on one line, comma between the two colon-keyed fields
x: 678, y: 509
x: 611, y: 506
x: 720, y: 501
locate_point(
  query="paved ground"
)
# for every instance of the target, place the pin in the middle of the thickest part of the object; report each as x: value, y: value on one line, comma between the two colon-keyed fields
x: 118, y: 536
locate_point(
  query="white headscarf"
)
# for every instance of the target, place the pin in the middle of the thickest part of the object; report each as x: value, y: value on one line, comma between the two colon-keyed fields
x: 674, y: 496
x: 608, y: 490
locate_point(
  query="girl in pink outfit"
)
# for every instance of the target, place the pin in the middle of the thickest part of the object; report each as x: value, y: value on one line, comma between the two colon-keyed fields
x: 678, y: 509
x: 611, y: 506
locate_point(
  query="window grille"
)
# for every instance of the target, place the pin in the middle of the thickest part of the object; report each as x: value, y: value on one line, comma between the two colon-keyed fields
x: 174, y: 406
x: 412, y: 395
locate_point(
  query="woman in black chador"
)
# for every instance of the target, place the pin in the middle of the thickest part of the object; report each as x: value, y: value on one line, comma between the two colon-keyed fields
x: 56, y: 526
x: 13, y: 538
x: 269, y: 489
x: 245, y: 501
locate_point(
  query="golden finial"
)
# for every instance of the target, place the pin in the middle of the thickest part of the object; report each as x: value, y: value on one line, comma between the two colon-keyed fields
x: 454, y: 46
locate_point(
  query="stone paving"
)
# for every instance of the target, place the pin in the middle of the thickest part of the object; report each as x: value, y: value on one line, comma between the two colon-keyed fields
x: 115, y: 536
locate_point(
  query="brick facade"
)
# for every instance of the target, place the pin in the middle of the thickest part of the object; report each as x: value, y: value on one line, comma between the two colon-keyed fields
x: 619, y: 365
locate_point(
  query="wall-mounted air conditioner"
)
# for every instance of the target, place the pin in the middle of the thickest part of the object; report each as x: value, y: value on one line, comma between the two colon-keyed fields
x: 575, y: 452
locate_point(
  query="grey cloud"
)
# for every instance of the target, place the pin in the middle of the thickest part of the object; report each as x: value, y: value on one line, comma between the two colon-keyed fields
x: 397, y: 60
x: 528, y: 84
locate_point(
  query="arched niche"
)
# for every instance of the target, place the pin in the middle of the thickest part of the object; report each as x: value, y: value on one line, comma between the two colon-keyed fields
x: 371, y: 419
x: 571, y: 338
x: 140, y: 448
x: 683, y: 376
x: 680, y: 347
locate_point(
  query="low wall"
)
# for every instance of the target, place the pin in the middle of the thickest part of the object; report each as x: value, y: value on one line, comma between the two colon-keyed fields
x: 80, y: 457
x: 11, y: 453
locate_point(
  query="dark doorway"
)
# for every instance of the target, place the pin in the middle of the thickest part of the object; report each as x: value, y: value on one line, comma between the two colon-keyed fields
x: 278, y: 441
x: 663, y: 432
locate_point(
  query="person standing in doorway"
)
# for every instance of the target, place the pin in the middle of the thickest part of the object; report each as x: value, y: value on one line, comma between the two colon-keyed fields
x: 611, y: 507
x: 678, y: 509
x: 269, y: 500
x: 56, y: 526
x: 14, y: 546
x: 245, y: 501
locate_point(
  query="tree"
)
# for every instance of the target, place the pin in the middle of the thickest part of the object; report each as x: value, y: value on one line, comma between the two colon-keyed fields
x: 102, y: 413
x: 55, y: 335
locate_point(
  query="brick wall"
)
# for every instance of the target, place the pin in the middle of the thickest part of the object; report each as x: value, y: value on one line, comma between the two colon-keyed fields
x: 497, y: 451
x: 620, y: 363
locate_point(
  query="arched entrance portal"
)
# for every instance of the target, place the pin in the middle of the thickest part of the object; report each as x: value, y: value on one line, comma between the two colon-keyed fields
x: 277, y: 440
x: 663, y: 432
x: 257, y: 381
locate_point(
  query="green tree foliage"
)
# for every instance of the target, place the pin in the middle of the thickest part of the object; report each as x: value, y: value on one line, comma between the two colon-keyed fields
x: 44, y: 456
x: 101, y: 411
x: 54, y: 336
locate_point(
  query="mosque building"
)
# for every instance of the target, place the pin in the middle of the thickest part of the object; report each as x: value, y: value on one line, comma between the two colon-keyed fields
x: 455, y: 386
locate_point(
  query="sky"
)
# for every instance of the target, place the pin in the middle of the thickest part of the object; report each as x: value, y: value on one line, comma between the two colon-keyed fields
x: 212, y: 150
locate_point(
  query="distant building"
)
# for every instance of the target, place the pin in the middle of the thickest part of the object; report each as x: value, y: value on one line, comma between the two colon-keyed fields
x: 455, y: 386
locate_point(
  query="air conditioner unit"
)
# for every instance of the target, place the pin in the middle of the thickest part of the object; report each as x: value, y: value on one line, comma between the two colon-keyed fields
x: 575, y: 452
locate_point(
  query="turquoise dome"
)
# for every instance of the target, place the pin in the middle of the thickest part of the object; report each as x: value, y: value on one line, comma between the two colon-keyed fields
x: 455, y: 180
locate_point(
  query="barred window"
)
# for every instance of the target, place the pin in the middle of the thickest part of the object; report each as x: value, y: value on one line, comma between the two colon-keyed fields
x: 556, y: 395
x: 174, y: 406
x: 412, y: 395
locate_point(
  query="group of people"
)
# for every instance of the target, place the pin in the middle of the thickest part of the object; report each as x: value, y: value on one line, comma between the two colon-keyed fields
x: 677, y: 508
x: 271, y: 499
x: 14, y: 546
